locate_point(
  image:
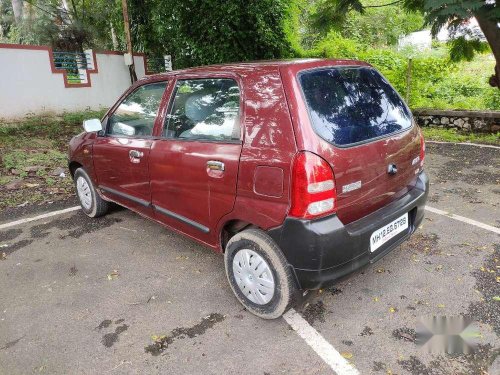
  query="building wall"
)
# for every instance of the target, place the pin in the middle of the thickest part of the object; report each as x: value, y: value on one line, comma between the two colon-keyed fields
x: 31, y: 84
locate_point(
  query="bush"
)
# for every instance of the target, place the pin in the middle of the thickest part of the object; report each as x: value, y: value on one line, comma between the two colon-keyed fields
x: 391, y: 64
x: 334, y: 46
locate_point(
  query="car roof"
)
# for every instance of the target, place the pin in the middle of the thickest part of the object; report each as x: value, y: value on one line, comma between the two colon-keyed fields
x: 240, y: 67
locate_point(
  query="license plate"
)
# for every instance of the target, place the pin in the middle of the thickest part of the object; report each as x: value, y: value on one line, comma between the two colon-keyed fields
x: 391, y: 230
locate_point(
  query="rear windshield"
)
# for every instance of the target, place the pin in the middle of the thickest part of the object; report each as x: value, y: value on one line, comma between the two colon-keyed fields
x: 352, y: 105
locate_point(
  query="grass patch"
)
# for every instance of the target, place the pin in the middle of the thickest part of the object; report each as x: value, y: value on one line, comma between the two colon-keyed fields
x: 20, y: 161
x: 53, y: 131
x: 453, y: 135
x: 31, y: 152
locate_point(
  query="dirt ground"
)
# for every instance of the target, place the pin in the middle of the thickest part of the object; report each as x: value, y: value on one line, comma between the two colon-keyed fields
x: 122, y: 295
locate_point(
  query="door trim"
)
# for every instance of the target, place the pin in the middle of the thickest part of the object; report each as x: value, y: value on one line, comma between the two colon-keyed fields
x: 184, y: 219
x: 140, y: 201
x: 161, y: 210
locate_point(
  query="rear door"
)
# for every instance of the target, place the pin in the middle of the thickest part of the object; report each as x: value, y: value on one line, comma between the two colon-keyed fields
x: 194, y: 165
x: 366, y: 133
x: 121, y: 156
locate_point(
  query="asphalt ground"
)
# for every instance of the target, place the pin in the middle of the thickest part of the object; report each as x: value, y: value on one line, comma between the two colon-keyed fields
x: 123, y: 295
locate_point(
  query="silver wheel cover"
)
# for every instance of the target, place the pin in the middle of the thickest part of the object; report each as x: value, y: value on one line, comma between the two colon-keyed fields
x: 84, y: 192
x: 253, y: 276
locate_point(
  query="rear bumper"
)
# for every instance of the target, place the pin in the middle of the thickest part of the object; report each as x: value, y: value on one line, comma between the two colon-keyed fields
x: 323, y: 250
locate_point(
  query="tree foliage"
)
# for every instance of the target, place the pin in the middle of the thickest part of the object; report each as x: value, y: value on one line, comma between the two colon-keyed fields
x: 369, y: 27
x: 197, y: 32
x: 83, y: 24
x: 194, y: 32
x: 452, y: 14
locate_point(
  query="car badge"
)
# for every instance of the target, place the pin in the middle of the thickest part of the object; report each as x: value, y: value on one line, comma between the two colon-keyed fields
x: 350, y: 187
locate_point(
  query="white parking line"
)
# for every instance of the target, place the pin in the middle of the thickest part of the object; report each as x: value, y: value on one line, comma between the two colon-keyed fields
x: 317, y: 343
x: 39, y: 217
x: 463, y: 219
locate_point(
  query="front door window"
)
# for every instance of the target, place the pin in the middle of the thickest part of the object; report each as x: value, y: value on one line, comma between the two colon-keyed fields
x: 136, y: 114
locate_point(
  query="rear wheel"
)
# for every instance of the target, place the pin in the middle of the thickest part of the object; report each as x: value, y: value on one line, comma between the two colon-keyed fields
x: 92, y: 204
x: 259, y: 274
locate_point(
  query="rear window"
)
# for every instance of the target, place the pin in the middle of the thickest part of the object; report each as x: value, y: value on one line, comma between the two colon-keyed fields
x: 352, y: 105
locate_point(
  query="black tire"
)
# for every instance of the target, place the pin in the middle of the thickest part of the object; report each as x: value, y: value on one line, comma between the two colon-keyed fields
x: 285, y: 289
x: 98, y: 206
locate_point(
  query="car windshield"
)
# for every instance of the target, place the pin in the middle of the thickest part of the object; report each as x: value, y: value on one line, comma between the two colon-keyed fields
x: 352, y: 105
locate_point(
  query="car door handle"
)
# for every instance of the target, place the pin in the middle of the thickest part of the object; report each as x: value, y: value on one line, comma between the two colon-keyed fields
x: 215, y: 165
x: 135, y: 154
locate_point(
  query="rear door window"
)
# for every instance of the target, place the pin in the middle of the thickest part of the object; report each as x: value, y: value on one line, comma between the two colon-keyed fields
x: 352, y: 105
x: 204, y: 109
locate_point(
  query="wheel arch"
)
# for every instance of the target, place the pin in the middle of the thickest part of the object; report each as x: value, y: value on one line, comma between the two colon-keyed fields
x: 230, y: 228
x: 73, y: 166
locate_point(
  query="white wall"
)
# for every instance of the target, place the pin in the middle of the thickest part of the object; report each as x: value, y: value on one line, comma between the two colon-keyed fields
x: 28, y: 85
x: 420, y: 40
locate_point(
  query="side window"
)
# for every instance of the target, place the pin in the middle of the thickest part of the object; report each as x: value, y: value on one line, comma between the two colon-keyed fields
x: 206, y: 109
x: 135, y: 116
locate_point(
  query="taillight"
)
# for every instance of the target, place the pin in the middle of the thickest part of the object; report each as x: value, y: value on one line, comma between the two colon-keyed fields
x: 313, y: 187
x: 422, y: 149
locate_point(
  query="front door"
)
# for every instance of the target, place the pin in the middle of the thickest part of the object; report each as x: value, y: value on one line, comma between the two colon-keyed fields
x: 194, y: 165
x: 121, y: 156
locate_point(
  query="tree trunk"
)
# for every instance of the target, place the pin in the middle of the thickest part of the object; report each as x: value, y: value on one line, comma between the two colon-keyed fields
x: 491, y: 31
x: 113, y: 36
x: 17, y: 7
x: 126, y: 25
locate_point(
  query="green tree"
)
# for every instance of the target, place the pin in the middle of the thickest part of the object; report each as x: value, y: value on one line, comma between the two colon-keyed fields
x: 380, y: 27
x: 453, y: 14
x: 375, y: 27
x: 198, y: 32
x: 64, y: 25
x: 194, y: 32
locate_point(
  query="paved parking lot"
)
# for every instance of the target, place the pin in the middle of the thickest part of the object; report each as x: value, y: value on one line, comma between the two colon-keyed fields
x: 123, y: 295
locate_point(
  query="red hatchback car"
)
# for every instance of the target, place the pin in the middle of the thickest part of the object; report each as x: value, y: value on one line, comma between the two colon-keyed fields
x: 300, y: 172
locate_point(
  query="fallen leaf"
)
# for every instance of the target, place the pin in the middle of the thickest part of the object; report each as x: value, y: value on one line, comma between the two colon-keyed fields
x: 375, y: 299
x: 157, y: 338
x: 393, y: 309
x: 346, y: 355
x: 441, y: 306
x: 496, y: 298
x: 3, y: 256
x: 113, y: 275
x: 380, y: 270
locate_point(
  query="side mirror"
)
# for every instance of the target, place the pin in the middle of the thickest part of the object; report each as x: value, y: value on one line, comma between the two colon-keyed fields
x: 93, y: 125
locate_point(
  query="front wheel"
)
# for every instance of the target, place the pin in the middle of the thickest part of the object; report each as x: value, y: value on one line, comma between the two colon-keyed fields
x: 92, y: 204
x: 259, y: 274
